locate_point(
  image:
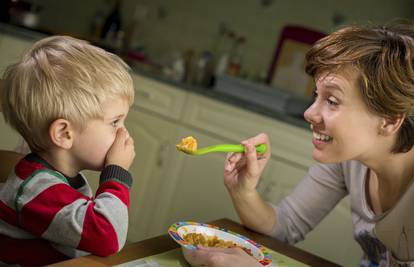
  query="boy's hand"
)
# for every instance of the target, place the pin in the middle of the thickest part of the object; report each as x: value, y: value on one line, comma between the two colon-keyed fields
x: 122, y: 151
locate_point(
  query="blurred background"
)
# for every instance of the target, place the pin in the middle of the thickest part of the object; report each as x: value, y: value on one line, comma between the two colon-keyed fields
x: 220, y: 70
x: 171, y: 37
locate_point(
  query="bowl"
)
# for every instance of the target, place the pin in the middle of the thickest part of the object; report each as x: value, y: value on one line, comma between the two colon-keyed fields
x: 178, y: 230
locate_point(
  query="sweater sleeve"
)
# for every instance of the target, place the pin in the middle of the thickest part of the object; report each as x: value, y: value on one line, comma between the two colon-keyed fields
x: 48, y: 207
x: 312, y: 199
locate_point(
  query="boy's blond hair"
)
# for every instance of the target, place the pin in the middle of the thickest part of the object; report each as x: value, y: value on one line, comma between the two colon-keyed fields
x: 61, y: 77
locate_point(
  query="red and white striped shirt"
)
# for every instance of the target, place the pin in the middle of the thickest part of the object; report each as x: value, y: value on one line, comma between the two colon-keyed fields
x: 47, y: 217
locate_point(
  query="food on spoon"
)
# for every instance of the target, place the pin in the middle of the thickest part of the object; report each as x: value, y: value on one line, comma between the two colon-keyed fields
x: 188, y: 145
x: 197, y: 239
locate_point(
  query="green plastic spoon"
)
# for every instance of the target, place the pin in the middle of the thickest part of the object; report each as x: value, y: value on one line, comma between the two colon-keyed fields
x: 223, y: 148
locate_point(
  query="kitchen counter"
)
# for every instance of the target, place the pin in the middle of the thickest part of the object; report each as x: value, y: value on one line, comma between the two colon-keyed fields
x: 298, y: 121
x: 216, y: 95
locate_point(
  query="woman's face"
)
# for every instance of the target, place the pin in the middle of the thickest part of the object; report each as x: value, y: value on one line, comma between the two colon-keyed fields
x: 343, y: 127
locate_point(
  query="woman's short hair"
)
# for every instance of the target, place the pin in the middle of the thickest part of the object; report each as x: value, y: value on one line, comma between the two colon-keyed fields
x: 384, y: 57
x: 61, y: 77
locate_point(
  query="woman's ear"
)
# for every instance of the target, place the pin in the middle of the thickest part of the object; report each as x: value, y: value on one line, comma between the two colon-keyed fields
x: 390, y: 126
x: 61, y: 133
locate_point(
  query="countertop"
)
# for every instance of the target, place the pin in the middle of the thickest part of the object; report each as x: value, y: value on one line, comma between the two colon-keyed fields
x: 298, y: 121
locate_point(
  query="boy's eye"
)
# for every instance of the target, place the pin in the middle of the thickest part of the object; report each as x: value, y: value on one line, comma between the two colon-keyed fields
x: 115, y: 123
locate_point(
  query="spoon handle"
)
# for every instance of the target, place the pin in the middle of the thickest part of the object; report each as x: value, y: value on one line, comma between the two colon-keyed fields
x: 229, y: 148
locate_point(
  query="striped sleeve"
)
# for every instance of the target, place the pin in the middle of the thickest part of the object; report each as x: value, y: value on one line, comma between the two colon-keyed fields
x: 48, y: 207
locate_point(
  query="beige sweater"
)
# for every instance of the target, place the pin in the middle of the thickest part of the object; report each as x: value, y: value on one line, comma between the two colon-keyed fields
x: 383, y: 238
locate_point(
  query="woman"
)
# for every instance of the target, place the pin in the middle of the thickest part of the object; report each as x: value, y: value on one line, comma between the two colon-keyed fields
x: 362, y: 120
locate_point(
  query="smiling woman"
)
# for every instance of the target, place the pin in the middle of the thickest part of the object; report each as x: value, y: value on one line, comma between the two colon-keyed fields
x: 337, y: 108
x: 363, y: 135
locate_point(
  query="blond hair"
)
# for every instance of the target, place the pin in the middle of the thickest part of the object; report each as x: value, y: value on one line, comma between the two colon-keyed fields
x: 61, y: 77
x: 383, y: 57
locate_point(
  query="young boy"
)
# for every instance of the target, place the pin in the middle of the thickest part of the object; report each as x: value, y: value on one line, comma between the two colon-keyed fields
x: 69, y: 100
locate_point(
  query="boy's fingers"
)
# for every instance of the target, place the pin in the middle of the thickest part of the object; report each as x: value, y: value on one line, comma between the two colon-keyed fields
x: 121, y: 136
x: 129, y: 141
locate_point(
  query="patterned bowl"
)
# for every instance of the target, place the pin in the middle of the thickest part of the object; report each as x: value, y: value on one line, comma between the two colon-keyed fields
x: 178, y: 230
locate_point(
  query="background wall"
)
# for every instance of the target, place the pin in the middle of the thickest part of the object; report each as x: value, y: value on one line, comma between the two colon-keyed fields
x: 166, y: 27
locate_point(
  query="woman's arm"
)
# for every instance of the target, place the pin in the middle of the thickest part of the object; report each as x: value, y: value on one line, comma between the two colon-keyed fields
x: 242, y: 172
x: 254, y: 212
x: 8, y: 159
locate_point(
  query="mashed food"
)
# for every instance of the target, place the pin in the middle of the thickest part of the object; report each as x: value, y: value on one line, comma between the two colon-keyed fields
x: 188, y: 145
x: 211, y: 241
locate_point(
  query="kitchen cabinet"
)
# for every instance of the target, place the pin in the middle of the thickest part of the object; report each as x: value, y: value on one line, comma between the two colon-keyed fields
x: 195, y: 189
x: 152, y: 171
x: 153, y: 122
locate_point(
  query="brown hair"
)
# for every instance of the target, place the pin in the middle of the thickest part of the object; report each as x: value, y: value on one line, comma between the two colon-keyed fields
x: 383, y: 56
x: 61, y: 77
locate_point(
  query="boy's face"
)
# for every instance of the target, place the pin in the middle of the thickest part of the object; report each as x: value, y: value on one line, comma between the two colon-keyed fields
x: 92, y: 144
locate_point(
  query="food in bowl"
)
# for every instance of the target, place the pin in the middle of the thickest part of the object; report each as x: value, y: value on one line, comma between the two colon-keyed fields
x: 191, y: 234
x: 212, y: 241
x: 188, y: 145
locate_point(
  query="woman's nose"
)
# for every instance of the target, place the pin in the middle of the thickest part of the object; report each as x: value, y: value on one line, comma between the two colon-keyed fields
x: 312, y: 114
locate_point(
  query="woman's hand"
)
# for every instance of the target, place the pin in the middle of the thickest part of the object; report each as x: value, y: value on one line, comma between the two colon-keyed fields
x: 220, y: 257
x: 122, y: 151
x: 242, y: 171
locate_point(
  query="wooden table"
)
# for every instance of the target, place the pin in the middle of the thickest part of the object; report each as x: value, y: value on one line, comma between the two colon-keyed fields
x: 164, y: 243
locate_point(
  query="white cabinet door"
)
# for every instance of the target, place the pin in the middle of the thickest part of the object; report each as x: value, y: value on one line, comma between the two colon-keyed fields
x: 196, y: 191
x: 154, y: 140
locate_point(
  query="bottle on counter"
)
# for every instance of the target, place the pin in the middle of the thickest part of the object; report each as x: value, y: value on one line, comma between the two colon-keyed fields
x: 97, y: 24
x: 112, y: 25
x: 223, y: 52
x: 204, y: 69
x: 235, y: 59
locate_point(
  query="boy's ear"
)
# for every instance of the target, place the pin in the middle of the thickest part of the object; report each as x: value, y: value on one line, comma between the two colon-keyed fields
x: 61, y: 133
x: 390, y: 126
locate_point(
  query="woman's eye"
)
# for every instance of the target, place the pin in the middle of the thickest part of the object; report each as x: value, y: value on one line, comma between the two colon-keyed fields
x: 331, y: 102
x: 314, y: 94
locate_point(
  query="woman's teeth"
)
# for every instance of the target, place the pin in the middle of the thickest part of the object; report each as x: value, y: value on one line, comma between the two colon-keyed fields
x: 321, y: 137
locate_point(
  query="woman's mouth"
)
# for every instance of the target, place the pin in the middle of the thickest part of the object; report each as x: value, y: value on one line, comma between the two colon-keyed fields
x: 322, y: 137
x: 319, y: 136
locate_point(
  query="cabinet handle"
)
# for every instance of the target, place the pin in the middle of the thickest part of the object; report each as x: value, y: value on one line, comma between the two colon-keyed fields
x: 162, y: 151
x: 143, y: 94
